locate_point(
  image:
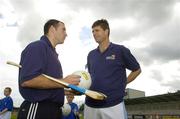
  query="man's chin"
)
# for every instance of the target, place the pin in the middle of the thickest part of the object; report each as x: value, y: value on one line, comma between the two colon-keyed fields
x: 61, y: 42
x: 97, y: 41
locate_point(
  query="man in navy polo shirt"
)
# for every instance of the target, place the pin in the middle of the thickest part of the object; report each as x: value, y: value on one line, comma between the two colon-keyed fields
x: 43, y: 98
x: 6, y: 104
x: 107, y: 65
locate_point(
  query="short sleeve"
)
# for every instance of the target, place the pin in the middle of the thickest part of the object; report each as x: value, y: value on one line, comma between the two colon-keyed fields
x: 130, y: 61
x: 33, y: 60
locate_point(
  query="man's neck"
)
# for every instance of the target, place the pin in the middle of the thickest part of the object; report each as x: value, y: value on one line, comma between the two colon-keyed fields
x: 52, y: 41
x: 104, y: 45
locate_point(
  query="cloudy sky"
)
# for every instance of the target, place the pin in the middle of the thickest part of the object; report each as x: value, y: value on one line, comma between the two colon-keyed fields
x: 149, y: 28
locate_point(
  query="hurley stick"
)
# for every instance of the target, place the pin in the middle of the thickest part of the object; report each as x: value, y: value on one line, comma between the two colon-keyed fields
x: 92, y: 94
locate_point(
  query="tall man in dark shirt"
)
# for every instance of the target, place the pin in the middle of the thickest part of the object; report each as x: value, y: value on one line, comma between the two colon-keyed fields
x: 107, y: 65
x: 43, y: 98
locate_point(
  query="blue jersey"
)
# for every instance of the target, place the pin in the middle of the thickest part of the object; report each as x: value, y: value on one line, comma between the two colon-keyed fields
x: 108, y: 73
x: 6, y: 102
x: 74, y: 109
x: 0, y: 104
x: 39, y: 58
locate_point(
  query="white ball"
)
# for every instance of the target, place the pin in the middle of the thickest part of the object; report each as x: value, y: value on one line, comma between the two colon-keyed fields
x: 66, y: 109
x: 85, y: 80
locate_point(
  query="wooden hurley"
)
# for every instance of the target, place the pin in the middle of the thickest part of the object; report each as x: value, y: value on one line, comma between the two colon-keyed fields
x: 92, y: 94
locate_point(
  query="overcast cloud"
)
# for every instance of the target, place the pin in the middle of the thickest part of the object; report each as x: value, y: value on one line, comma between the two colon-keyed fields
x: 149, y: 28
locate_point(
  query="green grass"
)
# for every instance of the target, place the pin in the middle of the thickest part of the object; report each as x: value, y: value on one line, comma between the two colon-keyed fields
x: 81, y: 117
x: 13, y: 117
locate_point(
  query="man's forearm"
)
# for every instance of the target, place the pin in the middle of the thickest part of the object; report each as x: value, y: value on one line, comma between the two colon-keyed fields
x: 41, y: 82
x: 133, y: 75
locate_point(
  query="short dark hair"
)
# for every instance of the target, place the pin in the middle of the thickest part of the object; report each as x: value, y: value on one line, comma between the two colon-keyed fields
x: 9, y: 89
x: 48, y: 24
x: 103, y: 23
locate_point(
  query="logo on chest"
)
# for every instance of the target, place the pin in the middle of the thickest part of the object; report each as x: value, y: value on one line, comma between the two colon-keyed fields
x: 111, y: 57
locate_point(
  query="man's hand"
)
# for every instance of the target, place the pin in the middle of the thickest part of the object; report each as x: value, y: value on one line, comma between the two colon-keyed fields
x: 72, y: 79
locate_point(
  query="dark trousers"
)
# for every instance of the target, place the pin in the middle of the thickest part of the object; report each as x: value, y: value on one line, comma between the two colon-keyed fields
x: 39, y: 110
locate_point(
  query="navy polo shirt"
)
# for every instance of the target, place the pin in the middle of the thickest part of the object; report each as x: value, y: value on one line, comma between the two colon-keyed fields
x: 108, y: 73
x: 38, y: 58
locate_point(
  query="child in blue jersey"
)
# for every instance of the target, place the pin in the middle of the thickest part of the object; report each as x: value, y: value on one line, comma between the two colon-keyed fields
x: 74, y: 114
x: 6, y: 104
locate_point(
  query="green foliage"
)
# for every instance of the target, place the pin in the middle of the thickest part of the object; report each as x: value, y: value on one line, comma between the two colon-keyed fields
x: 13, y: 117
x: 81, y: 109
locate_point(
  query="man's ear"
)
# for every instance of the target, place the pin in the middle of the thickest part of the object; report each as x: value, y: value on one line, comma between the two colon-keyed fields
x: 51, y: 29
x: 107, y: 32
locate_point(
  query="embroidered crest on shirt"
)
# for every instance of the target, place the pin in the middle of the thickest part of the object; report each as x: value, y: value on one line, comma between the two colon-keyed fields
x: 112, y: 57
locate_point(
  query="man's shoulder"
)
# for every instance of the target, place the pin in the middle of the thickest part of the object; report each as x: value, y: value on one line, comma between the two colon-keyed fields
x: 35, y: 45
x: 117, y: 45
x: 38, y: 43
x: 93, y: 51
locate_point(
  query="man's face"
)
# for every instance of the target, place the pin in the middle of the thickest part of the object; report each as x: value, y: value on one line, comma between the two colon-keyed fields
x: 60, y: 33
x: 6, y: 92
x: 99, y: 34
